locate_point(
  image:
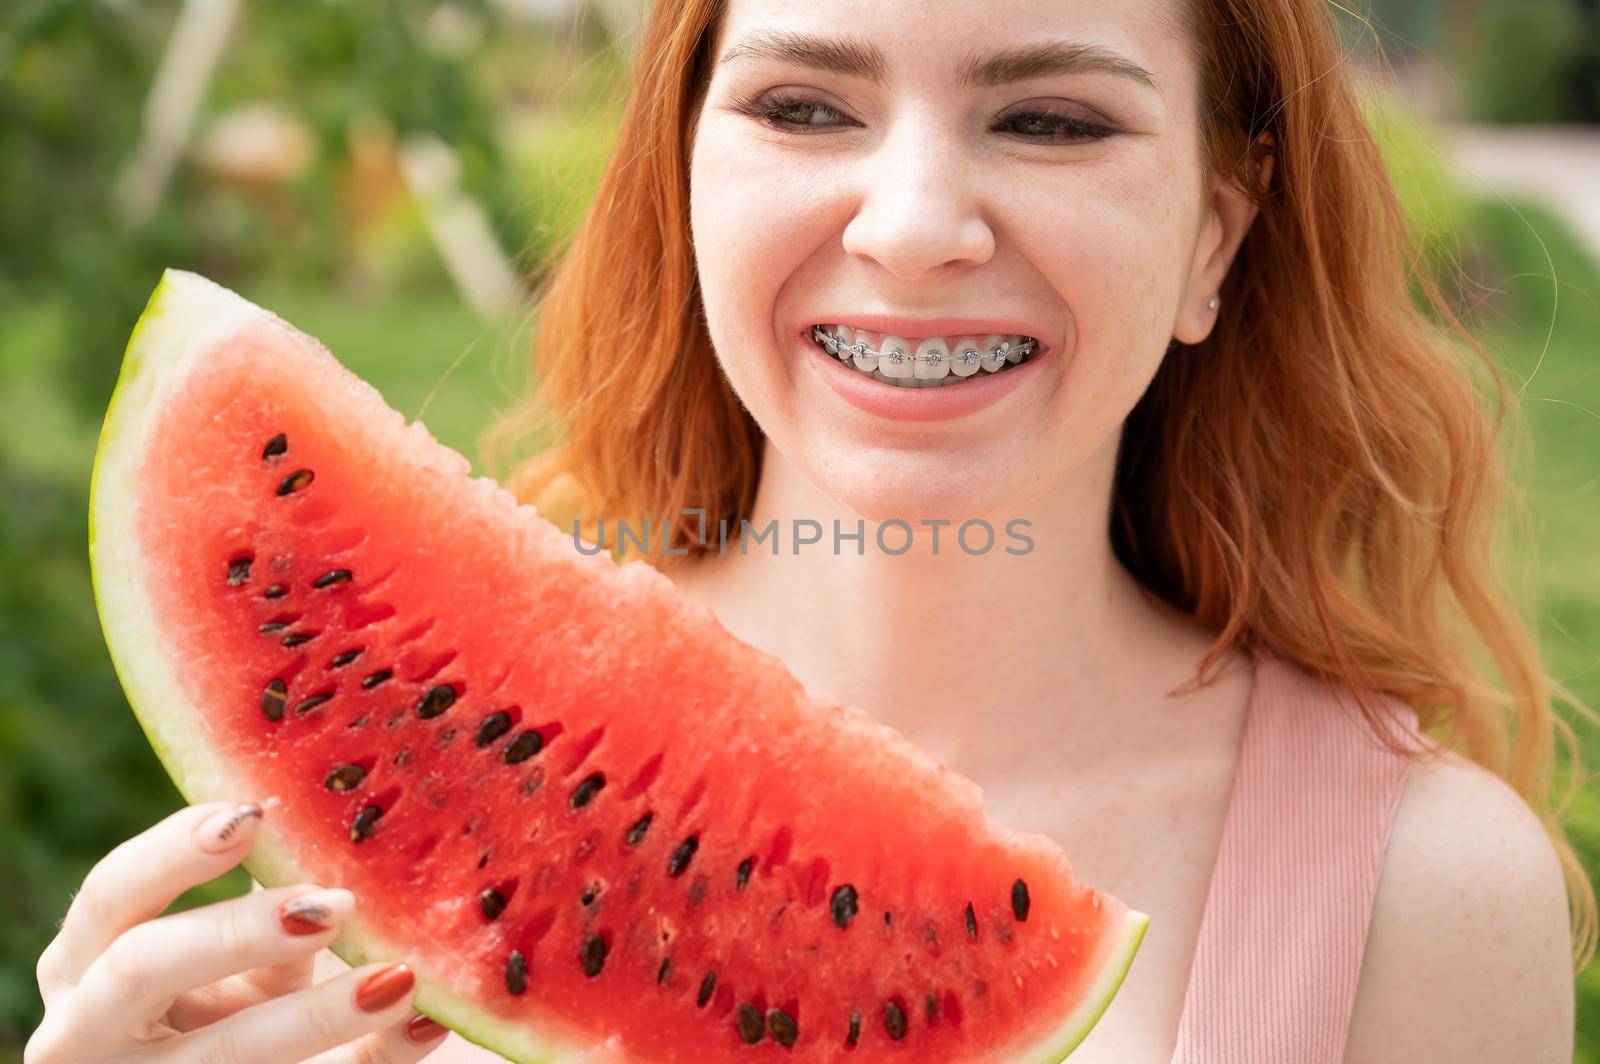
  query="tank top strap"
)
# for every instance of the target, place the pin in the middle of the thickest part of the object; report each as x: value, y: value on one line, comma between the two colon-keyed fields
x: 1285, y: 923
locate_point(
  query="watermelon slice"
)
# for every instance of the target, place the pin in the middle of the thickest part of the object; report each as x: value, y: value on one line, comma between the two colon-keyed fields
x: 598, y: 826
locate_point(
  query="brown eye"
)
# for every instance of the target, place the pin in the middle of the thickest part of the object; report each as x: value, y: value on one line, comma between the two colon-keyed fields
x: 791, y: 114
x: 1052, y: 127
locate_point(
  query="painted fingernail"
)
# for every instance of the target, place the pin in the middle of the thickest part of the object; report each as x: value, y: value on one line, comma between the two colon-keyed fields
x: 384, y: 987
x: 225, y: 830
x: 318, y: 911
x: 422, y: 1029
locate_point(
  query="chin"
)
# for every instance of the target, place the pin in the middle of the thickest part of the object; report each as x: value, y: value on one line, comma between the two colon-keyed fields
x: 881, y: 489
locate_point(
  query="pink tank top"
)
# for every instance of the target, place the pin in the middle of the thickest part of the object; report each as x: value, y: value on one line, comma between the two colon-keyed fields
x: 1285, y: 921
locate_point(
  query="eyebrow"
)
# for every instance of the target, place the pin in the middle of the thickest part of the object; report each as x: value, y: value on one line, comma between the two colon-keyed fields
x: 857, y: 59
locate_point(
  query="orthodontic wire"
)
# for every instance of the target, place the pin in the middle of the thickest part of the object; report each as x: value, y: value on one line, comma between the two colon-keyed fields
x: 860, y: 350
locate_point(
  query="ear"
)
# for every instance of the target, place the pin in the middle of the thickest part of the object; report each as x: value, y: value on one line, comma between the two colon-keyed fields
x: 1228, y: 214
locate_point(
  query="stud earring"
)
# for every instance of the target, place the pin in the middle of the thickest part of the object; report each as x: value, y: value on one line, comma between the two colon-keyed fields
x: 1211, y: 304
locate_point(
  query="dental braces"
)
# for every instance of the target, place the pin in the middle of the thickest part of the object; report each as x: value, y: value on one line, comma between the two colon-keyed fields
x: 897, y: 355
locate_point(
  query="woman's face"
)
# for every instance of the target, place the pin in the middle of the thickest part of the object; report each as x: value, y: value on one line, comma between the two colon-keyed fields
x: 935, y: 174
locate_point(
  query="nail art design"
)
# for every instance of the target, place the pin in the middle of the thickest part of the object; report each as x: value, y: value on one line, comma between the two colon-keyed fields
x: 384, y: 987
x: 422, y: 1029
x: 224, y: 830
x: 305, y: 915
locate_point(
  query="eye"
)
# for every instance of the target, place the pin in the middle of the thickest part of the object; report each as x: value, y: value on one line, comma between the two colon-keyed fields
x: 793, y: 114
x: 1053, y: 128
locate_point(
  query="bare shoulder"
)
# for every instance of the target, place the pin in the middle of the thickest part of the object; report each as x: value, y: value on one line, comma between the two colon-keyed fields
x: 1468, y: 955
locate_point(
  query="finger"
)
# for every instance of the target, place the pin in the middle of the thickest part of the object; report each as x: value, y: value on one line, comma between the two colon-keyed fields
x: 409, y: 1040
x: 311, y: 1021
x: 139, y: 975
x: 138, y: 880
x: 208, y: 1004
x: 216, y: 1001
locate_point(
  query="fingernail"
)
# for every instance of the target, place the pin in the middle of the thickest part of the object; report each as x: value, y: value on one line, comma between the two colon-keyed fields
x: 384, y: 987
x: 223, y: 831
x: 318, y: 911
x: 421, y: 1029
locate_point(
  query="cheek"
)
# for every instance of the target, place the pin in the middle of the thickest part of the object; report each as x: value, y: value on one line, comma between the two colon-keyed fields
x: 1112, y: 243
x: 757, y: 217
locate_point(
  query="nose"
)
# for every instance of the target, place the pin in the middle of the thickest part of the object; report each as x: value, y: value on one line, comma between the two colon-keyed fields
x: 920, y: 209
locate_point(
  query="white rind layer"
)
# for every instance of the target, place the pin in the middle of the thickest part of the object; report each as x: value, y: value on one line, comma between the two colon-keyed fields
x: 188, y: 317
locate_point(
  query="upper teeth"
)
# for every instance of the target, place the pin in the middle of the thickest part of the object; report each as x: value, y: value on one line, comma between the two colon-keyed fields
x: 968, y: 351
x: 932, y: 359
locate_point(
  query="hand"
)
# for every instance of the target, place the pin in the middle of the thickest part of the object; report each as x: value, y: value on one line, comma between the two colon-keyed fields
x: 225, y: 982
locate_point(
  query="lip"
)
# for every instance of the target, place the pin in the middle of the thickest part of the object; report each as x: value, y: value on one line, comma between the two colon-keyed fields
x: 918, y: 404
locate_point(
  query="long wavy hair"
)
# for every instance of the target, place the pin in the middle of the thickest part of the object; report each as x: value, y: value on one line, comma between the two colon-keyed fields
x: 1321, y: 477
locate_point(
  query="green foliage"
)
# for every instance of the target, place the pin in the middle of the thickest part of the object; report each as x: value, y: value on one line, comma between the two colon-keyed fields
x: 1526, y: 61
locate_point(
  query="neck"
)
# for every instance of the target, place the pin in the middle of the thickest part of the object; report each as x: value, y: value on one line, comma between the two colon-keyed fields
x: 980, y: 658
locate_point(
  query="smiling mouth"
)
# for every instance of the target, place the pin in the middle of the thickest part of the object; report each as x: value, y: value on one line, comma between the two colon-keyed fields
x: 935, y: 362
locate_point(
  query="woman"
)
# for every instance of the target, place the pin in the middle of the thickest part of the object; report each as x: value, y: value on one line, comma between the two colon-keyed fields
x: 1127, y: 279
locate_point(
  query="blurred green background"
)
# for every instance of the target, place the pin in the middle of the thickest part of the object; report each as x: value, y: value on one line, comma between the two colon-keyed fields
x: 390, y: 175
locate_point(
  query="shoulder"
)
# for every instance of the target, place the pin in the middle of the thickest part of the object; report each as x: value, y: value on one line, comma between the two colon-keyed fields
x: 1468, y: 954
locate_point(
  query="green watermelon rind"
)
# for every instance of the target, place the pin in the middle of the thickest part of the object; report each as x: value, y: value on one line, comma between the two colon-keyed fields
x: 1120, y: 948
x: 186, y: 317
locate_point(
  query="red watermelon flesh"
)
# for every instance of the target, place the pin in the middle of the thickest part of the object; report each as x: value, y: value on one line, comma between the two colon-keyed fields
x: 598, y: 826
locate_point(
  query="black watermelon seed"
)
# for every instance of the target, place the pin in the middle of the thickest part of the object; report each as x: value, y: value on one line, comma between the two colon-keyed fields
x: 272, y: 627
x: 361, y: 827
x: 707, y: 985
x: 345, y: 777
x: 344, y: 658
x: 273, y: 699
x: 855, y: 1028
x: 238, y: 571
x: 589, y: 894
x: 972, y: 922
x: 894, y: 1018
x: 331, y: 577
x: 584, y: 792
x: 1019, y: 899
x: 887, y: 921
x: 844, y: 905
x: 751, y: 1026
x: 743, y: 877
x: 594, y: 955
x: 682, y: 856
x: 664, y: 970
x: 295, y: 481
x: 436, y: 701
x: 641, y: 826
x: 516, y: 973
x: 276, y: 591
x: 306, y: 705
x: 783, y: 1027
x: 931, y: 1008
x: 493, y: 903
x: 493, y: 726
x: 373, y: 679
x: 523, y: 747
x: 279, y: 444
x: 294, y: 639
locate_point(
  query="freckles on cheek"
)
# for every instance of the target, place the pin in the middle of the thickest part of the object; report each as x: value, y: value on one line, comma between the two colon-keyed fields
x: 760, y: 215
